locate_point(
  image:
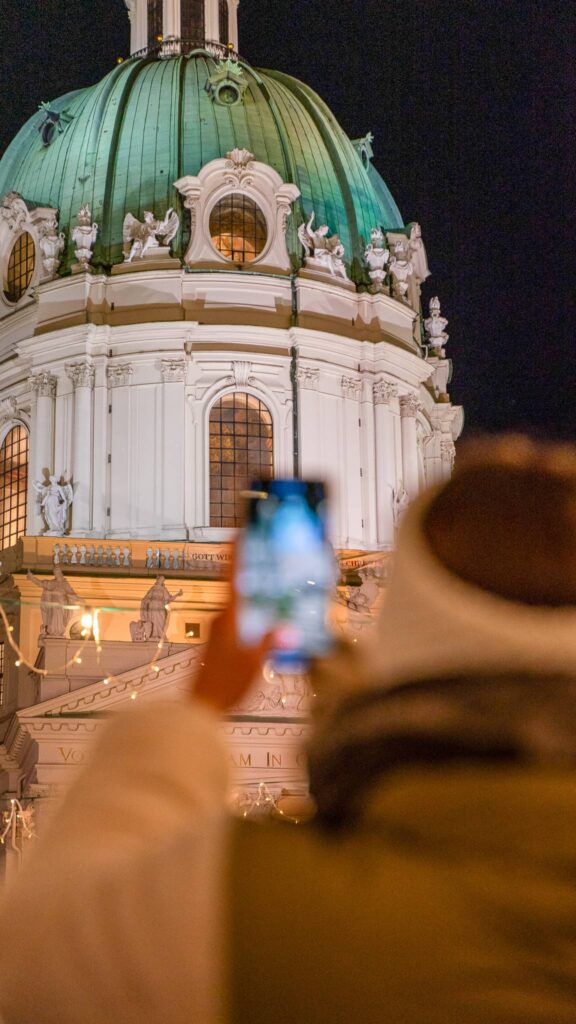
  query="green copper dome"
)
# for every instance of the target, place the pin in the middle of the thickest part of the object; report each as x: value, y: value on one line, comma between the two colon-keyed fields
x: 125, y: 141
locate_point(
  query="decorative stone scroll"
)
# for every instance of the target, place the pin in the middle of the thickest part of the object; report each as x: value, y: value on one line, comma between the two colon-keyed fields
x: 119, y: 375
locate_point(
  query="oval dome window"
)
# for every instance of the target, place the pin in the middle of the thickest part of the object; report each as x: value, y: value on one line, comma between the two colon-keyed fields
x: 238, y: 228
x: 20, y: 267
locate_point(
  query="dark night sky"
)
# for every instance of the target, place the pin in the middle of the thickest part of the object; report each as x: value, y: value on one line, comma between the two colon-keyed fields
x: 472, y: 104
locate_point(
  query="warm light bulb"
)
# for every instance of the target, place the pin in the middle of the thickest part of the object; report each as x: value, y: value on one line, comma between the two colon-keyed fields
x: 18, y: 663
x: 133, y: 696
x: 106, y: 681
x: 78, y: 661
x: 86, y: 621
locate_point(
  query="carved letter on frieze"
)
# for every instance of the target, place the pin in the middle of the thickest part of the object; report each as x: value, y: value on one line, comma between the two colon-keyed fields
x: 119, y: 375
x: 308, y: 377
x: 384, y: 392
x: 409, y: 406
x: 44, y: 384
x: 173, y: 370
x: 351, y: 387
x: 81, y: 374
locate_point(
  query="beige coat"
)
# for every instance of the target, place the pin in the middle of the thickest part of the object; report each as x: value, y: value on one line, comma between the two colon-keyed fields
x: 452, y: 902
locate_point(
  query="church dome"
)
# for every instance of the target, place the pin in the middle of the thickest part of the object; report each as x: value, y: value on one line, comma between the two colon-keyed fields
x: 120, y: 145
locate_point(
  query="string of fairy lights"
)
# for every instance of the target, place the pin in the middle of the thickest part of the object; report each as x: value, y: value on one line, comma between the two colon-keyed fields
x: 89, y: 632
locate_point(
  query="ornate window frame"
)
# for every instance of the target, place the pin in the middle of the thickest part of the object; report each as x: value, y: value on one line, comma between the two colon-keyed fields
x: 17, y: 220
x: 219, y: 397
x: 242, y: 174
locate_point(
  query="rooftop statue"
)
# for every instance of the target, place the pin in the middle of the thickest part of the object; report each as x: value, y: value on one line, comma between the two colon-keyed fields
x: 377, y: 255
x: 402, y: 269
x: 55, y: 500
x: 141, y: 236
x: 154, y: 612
x: 57, y: 596
x: 322, y: 252
x: 435, y: 326
x: 418, y: 254
x: 84, y: 236
x: 51, y: 245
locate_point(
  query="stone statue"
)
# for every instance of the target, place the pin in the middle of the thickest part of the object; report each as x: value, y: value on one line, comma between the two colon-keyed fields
x: 14, y: 210
x: 376, y: 255
x: 418, y: 254
x: 401, y: 501
x: 84, y: 236
x: 55, y: 500
x: 322, y: 253
x: 141, y: 236
x: 55, y: 603
x: 153, y: 612
x: 435, y: 326
x: 401, y: 268
x: 51, y: 246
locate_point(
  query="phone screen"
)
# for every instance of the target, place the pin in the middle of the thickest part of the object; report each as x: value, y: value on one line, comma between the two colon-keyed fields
x: 286, y: 571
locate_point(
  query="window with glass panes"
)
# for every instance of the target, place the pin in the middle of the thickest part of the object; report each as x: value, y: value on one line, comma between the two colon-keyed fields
x: 1, y: 672
x: 238, y: 228
x: 241, y: 450
x: 155, y: 21
x: 192, y: 22
x: 223, y: 18
x: 20, y: 267
x: 13, y: 485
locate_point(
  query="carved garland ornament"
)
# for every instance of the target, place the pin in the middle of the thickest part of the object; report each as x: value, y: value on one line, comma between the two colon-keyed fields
x: 173, y: 371
x: 308, y: 377
x: 351, y: 387
x: 119, y: 375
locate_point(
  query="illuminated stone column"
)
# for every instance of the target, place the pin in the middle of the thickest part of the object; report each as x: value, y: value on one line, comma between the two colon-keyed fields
x: 409, y: 407
x: 386, y: 475
x: 82, y: 377
x: 44, y: 386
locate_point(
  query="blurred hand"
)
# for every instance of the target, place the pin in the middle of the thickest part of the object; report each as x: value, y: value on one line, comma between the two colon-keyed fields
x: 228, y: 667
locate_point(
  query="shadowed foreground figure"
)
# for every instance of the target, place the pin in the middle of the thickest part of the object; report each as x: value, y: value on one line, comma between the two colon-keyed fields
x: 437, y: 885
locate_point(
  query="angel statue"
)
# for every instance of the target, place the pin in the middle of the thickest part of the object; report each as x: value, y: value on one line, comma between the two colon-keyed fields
x: 55, y: 500
x: 141, y: 236
x: 322, y: 253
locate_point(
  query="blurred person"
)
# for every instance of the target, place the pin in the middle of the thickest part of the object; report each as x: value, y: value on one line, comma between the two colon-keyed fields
x: 436, y: 884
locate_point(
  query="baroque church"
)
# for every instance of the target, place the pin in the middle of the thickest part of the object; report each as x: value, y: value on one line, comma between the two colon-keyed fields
x: 203, y: 281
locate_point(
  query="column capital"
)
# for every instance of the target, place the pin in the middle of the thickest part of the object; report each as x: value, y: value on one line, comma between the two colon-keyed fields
x: 447, y: 450
x: 351, y: 387
x: 44, y: 384
x: 410, y: 405
x: 383, y: 392
x: 119, y: 375
x: 82, y: 375
x: 308, y: 377
x: 173, y: 370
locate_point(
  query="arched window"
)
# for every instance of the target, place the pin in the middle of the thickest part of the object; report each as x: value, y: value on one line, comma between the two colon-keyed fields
x: 224, y: 22
x: 241, y: 450
x: 13, y: 486
x: 192, y: 23
x: 155, y: 22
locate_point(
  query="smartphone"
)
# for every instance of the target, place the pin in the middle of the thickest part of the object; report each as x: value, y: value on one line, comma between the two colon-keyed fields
x: 286, y: 572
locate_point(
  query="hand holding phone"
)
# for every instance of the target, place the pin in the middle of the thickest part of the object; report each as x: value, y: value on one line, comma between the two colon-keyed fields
x: 286, y: 572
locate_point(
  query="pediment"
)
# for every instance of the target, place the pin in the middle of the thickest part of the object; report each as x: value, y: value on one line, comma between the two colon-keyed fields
x: 170, y: 682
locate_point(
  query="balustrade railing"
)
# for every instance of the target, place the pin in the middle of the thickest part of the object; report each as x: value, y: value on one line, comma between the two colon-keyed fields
x: 170, y: 46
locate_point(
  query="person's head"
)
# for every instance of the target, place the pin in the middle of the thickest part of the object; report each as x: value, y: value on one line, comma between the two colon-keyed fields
x: 506, y: 521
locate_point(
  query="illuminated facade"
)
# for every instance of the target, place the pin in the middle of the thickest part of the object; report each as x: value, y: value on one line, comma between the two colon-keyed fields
x: 203, y: 280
